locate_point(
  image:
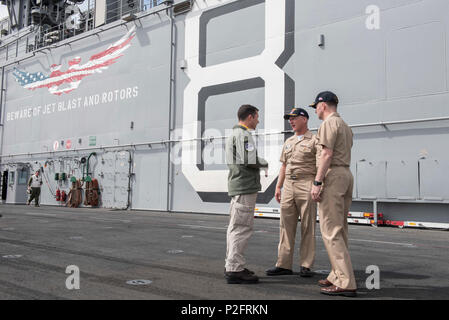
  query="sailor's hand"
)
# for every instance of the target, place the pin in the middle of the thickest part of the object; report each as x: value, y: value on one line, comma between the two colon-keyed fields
x: 277, y: 194
x: 265, y: 171
x: 316, y: 192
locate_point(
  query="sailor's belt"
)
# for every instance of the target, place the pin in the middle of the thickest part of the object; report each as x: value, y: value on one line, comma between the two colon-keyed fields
x: 299, y: 176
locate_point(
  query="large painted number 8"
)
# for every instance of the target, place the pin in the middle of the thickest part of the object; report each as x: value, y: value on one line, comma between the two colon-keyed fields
x: 260, y: 66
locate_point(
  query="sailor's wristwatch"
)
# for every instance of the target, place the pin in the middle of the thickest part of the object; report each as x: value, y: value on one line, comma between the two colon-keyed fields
x: 317, y: 183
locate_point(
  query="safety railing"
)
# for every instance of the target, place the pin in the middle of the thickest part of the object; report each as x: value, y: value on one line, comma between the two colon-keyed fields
x: 210, y: 139
x: 36, y: 37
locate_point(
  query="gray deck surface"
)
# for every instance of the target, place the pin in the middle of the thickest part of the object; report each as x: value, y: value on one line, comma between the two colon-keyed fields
x: 183, y: 255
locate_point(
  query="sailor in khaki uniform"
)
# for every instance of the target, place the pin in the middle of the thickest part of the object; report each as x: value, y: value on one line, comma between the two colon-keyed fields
x: 333, y: 190
x: 296, y: 178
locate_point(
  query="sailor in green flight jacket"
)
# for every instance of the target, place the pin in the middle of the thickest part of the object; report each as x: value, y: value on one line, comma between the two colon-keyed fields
x: 243, y: 185
x: 243, y: 163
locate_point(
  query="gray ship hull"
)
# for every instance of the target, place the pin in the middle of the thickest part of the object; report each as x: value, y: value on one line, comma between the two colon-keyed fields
x: 154, y: 98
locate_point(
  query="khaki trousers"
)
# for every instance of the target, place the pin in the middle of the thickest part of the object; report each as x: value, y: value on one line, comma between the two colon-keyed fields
x: 336, y: 199
x: 239, y: 231
x: 297, y: 202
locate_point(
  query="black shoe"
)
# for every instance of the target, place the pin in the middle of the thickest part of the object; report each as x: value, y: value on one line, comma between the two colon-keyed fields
x: 278, y: 272
x: 306, y: 272
x: 249, y: 271
x: 244, y: 276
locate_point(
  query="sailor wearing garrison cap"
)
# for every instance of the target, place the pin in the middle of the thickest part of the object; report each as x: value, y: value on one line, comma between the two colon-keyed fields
x: 296, y: 178
x: 333, y: 190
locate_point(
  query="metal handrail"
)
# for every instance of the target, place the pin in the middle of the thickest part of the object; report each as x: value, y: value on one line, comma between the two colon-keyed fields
x: 398, y: 122
x: 150, y: 143
x: 16, y: 37
x: 142, y: 14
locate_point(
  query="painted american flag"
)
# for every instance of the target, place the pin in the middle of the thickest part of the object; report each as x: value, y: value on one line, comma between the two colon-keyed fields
x: 59, y: 82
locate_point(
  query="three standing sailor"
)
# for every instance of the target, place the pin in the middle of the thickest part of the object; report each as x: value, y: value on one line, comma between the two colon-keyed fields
x: 315, y: 169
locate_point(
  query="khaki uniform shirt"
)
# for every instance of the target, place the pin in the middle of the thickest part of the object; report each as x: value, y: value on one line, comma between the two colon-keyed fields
x: 300, y: 155
x: 336, y: 135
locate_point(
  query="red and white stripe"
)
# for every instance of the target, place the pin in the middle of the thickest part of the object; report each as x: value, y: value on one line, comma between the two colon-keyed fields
x: 76, y: 72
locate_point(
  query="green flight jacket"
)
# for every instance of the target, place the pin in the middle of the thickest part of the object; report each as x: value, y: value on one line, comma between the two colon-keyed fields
x: 243, y: 163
